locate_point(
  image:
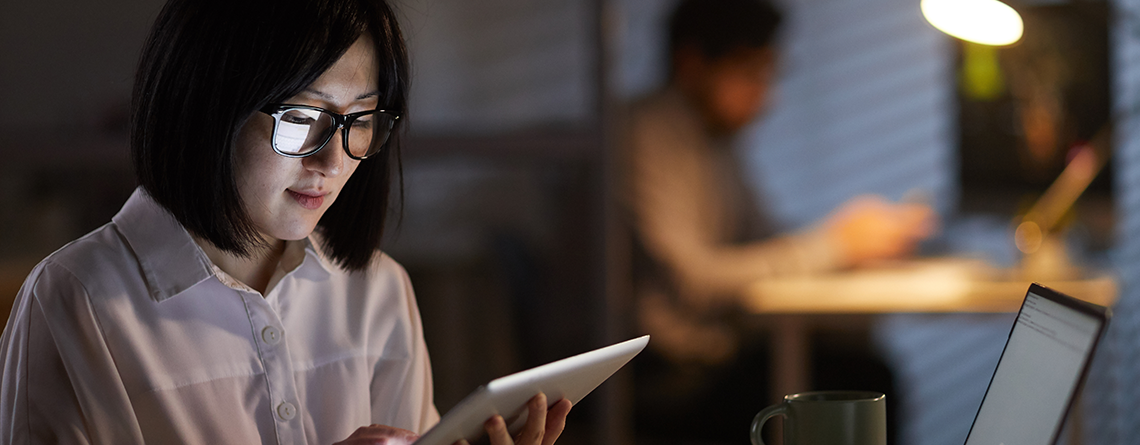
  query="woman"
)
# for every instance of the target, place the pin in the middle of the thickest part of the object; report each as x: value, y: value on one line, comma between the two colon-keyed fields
x: 240, y: 296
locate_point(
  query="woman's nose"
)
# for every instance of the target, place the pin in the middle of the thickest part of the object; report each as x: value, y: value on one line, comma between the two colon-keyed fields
x: 329, y: 161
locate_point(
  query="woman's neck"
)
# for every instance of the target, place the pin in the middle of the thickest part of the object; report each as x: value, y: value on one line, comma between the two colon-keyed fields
x: 255, y: 270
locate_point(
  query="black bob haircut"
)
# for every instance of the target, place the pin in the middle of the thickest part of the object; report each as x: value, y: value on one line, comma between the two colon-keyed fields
x: 209, y: 65
x: 717, y: 27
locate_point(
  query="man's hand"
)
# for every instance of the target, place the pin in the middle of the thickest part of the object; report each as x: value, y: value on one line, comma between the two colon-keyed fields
x: 868, y: 229
x: 542, y: 427
x: 380, y: 435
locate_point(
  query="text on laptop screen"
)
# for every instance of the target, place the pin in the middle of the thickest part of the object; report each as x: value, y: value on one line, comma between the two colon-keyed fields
x: 1038, y: 371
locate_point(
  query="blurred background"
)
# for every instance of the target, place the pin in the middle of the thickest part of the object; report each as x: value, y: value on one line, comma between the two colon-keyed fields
x: 510, y: 228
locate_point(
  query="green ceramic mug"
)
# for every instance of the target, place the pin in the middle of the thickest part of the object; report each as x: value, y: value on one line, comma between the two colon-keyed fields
x: 829, y: 418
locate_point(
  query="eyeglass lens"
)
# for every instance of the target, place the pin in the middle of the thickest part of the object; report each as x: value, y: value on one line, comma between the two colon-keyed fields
x: 302, y: 131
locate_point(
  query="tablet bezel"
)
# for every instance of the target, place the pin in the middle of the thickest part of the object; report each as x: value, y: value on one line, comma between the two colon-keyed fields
x: 571, y: 378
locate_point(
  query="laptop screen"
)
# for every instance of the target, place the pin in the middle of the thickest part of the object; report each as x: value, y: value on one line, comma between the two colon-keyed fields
x: 1044, y: 359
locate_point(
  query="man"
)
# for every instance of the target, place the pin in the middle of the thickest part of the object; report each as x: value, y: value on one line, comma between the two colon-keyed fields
x: 701, y: 239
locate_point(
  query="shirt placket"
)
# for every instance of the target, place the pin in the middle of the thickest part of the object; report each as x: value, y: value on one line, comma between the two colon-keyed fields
x: 273, y: 352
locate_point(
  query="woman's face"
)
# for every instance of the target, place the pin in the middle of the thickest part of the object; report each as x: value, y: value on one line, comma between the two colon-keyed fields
x: 285, y: 197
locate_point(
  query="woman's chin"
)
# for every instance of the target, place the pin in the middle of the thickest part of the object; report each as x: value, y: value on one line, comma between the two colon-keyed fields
x: 298, y: 232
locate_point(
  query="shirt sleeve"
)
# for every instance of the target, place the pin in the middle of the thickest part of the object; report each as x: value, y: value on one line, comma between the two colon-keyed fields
x: 59, y: 382
x: 667, y: 193
x: 421, y: 364
x: 413, y: 400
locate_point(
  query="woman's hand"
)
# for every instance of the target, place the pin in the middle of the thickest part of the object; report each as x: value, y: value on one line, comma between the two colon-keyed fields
x: 380, y: 435
x: 542, y: 426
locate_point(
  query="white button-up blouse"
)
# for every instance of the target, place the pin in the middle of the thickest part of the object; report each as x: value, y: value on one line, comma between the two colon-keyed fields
x: 130, y: 335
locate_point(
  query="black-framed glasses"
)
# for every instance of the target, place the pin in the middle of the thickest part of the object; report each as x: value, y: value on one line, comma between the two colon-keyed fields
x: 302, y: 130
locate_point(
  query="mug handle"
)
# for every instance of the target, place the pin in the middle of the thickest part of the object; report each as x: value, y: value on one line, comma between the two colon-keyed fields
x: 779, y: 409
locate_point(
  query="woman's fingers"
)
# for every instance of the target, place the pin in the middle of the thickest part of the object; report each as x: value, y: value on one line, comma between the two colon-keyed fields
x: 556, y: 421
x: 380, y: 435
x: 535, y: 427
x: 542, y: 428
x: 497, y: 430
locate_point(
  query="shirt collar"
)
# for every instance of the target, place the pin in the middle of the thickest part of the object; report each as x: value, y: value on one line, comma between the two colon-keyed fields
x: 686, y: 112
x: 313, y: 254
x: 170, y: 260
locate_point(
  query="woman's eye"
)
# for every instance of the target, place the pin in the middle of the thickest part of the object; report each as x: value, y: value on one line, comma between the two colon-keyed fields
x: 364, y: 123
x: 297, y: 119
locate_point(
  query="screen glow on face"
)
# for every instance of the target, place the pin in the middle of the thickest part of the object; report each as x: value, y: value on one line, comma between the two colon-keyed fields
x: 1037, y: 375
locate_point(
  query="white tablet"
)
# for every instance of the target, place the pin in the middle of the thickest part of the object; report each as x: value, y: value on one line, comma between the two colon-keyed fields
x: 570, y: 378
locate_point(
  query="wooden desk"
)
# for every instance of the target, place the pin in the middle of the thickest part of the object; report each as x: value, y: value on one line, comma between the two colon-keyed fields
x: 793, y: 306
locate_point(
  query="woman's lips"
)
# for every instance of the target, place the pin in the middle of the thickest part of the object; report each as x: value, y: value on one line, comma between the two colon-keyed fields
x: 308, y: 201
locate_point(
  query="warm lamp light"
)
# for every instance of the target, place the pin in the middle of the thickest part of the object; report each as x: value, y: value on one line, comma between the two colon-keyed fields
x: 988, y: 22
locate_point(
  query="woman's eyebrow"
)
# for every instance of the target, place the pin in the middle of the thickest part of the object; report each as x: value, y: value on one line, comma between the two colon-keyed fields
x: 330, y: 98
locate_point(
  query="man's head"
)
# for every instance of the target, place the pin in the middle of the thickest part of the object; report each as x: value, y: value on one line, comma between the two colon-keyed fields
x: 722, y: 59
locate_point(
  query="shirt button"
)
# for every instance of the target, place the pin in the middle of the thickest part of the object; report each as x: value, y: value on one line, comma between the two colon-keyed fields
x: 286, y: 411
x: 271, y: 335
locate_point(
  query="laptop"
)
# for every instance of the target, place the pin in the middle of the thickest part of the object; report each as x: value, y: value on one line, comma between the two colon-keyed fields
x: 1040, y: 371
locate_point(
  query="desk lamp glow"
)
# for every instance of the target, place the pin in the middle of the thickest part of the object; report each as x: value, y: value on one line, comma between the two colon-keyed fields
x: 988, y: 22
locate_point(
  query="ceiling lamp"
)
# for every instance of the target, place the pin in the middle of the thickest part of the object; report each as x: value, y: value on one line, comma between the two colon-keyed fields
x: 988, y: 22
